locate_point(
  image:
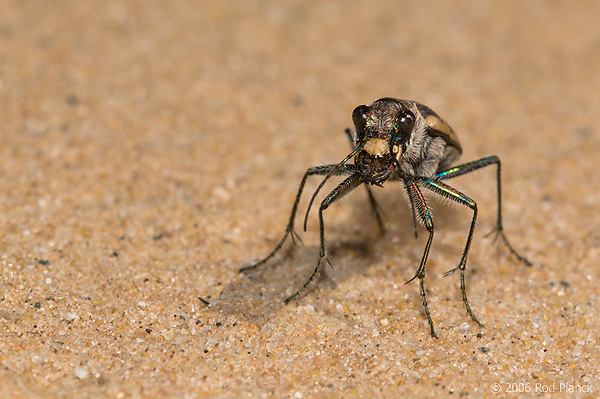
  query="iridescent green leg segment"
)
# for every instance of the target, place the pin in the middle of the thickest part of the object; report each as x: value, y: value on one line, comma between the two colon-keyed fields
x: 472, y: 166
x: 449, y: 192
x: 318, y: 170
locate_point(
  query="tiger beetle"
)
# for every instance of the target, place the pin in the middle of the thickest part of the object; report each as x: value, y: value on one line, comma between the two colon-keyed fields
x: 408, y: 142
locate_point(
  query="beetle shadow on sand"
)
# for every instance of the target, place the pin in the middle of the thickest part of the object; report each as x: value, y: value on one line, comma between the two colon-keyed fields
x: 353, y: 245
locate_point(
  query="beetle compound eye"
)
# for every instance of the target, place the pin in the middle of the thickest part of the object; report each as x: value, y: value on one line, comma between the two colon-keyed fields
x: 406, y: 122
x: 359, y: 116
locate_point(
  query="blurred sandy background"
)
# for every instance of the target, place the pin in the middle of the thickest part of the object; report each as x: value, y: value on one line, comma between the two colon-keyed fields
x: 150, y: 149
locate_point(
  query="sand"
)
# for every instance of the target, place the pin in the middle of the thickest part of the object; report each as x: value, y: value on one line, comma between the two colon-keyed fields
x: 150, y: 149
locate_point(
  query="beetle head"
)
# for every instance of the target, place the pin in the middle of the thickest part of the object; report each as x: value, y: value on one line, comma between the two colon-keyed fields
x: 383, y: 129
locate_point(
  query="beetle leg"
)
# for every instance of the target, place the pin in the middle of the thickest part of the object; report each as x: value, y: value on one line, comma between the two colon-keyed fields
x: 351, y: 138
x: 424, y: 213
x: 289, y: 231
x: 341, y: 190
x: 449, y: 192
x: 472, y: 166
x: 412, y: 208
x: 334, y: 172
x: 377, y: 211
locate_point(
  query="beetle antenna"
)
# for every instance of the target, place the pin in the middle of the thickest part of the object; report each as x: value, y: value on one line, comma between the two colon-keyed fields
x: 332, y: 173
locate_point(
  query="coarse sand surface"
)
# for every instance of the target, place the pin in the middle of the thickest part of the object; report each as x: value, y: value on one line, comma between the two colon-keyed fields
x: 148, y: 150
